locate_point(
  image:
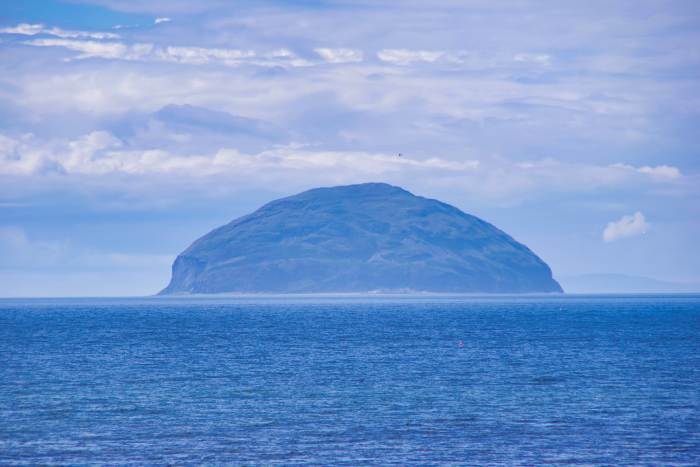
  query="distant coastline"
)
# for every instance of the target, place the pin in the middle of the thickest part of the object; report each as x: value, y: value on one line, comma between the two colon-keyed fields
x: 621, y: 283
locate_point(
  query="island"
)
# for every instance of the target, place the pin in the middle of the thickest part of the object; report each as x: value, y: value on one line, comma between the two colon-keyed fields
x: 370, y: 237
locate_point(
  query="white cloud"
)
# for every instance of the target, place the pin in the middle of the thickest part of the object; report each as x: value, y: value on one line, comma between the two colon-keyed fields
x: 34, y: 29
x: 538, y: 59
x: 200, y: 55
x: 176, y: 54
x: 660, y: 173
x: 407, y: 57
x: 24, y: 29
x: 340, y: 55
x: 146, y: 51
x: 626, y: 226
x: 99, y: 153
x: 463, y: 59
x: 93, y: 49
x: 281, y: 53
x: 80, y: 34
x: 114, y: 50
x: 284, y: 57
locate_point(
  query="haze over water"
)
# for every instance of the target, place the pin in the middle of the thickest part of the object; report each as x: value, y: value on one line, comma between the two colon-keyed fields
x: 355, y: 379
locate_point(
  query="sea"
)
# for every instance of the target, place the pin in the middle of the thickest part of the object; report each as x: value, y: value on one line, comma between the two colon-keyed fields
x: 351, y: 380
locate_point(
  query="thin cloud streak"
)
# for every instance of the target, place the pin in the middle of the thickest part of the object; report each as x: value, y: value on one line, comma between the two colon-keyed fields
x: 27, y: 29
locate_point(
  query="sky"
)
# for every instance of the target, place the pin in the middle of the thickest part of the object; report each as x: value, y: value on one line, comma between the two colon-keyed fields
x: 128, y: 128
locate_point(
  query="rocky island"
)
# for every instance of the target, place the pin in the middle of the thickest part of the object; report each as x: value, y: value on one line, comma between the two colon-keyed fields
x: 371, y: 237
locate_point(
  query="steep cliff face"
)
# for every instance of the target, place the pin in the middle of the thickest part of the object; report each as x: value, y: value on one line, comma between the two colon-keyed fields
x: 358, y: 238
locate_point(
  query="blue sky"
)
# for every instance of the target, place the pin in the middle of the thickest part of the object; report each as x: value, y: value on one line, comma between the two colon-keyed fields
x: 130, y: 128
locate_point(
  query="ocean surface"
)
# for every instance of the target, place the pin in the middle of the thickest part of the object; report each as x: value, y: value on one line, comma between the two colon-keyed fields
x: 351, y: 380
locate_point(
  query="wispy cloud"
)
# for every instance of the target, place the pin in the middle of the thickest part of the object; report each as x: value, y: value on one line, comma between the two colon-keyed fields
x: 659, y: 172
x: 626, y: 226
x: 149, y: 52
x: 27, y: 29
x: 340, y: 55
x: 201, y: 55
x: 540, y: 59
x: 464, y: 59
x: 407, y: 57
x: 101, y: 154
x: 283, y: 56
x: 93, y: 49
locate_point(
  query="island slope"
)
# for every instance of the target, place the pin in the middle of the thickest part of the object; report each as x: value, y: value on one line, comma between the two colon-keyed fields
x: 358, y: 238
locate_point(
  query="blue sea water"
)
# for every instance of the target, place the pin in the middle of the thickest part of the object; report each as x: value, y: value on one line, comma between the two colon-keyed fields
x: 351, y: 380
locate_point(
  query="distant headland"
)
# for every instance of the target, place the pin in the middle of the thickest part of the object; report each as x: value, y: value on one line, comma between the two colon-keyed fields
x: 371, y: 237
